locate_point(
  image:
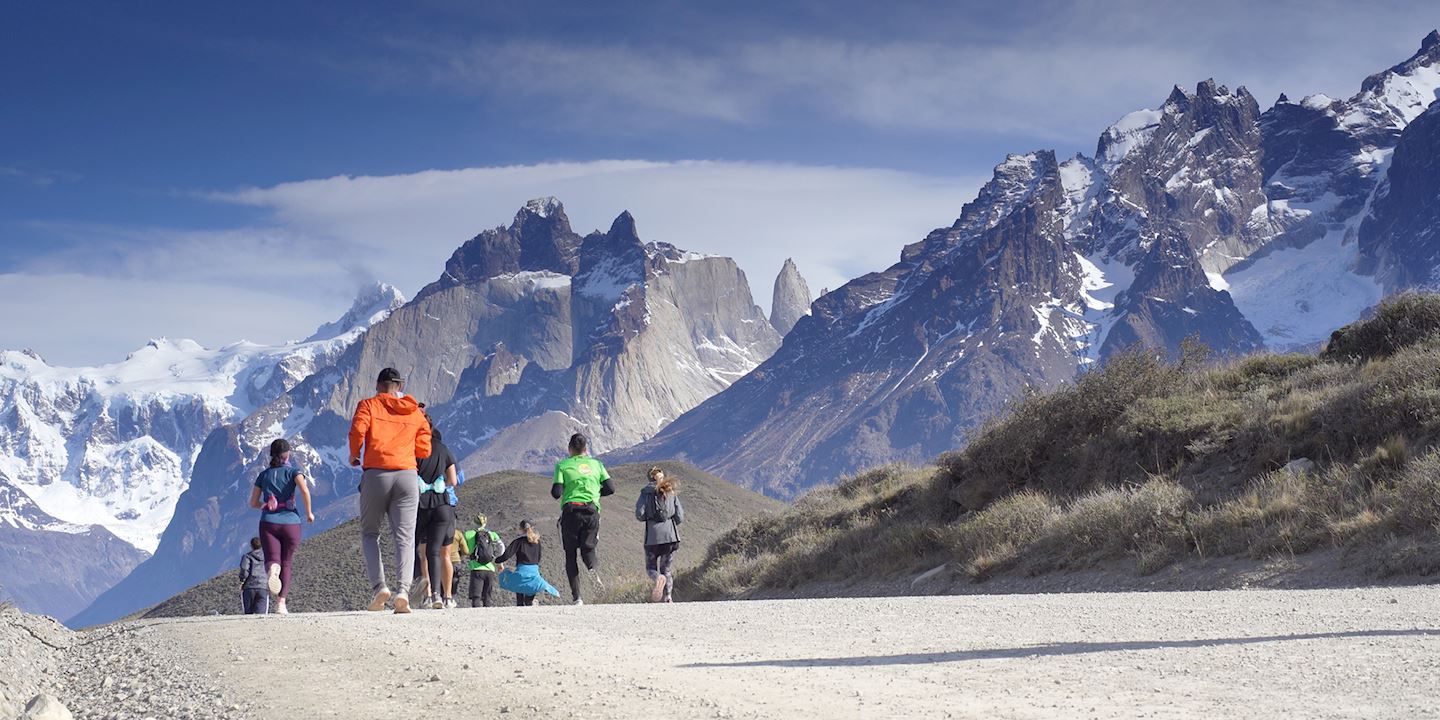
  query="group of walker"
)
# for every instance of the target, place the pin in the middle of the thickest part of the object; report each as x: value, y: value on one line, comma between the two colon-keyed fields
x: 406, y: 475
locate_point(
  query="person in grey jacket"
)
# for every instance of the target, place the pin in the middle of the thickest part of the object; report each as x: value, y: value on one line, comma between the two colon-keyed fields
x: 660, y: 509
x: 254, y: 593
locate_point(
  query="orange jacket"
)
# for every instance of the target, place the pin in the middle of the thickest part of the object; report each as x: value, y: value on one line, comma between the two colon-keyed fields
x: 393, y: 431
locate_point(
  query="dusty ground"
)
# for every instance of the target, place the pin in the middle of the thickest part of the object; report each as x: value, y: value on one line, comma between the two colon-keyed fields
x: 1315, y: 653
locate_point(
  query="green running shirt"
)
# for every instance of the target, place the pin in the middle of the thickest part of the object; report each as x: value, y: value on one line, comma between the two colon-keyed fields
x: 581, y: 476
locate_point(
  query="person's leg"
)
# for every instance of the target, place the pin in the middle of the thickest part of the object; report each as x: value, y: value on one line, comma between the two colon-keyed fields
x: 590, y: 538
x: 570, y: 541
x: 272, y: 545
x: 652, y: 569
x: 475, y: 585
x: 247, y: 606
x: 374, y: 497
x: 487, y: 588
x: 289, y: 542
x: 519, y: 600
x: 443, y: 536
x: 404, y: 501
x: 665, y: 564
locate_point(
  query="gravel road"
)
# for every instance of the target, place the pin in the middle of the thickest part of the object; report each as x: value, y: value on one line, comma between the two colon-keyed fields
x: 1312, y: 653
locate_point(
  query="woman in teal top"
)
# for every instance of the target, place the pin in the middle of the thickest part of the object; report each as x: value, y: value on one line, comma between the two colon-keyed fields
x: 274, y: 496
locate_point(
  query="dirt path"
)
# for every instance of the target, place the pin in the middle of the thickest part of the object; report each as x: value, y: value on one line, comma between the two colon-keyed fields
x: 1322, y: 653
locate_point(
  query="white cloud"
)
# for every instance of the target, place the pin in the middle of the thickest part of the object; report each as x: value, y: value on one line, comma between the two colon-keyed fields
x: 279, y: 281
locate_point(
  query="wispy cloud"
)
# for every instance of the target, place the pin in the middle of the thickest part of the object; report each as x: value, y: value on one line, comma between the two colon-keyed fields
x: 1062, y: 71
x: 36, y: 177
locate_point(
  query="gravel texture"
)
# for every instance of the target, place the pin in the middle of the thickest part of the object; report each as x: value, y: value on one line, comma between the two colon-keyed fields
x: 1366, y: 653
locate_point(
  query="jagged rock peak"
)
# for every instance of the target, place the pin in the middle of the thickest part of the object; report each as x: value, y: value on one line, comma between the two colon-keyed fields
x: 1177, y: 100
x: 372, y: 304
x: 1431, y: 42
x: 791, y: 300
x: 624, y: 228
x: 543, y: 207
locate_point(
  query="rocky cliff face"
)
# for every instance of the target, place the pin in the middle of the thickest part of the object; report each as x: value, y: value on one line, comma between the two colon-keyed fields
x: 791, y: 299
x: 531, y: 333
x: 1201, y: 219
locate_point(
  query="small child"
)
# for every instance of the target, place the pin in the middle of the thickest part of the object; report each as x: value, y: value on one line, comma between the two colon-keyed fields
x: 254, y: 595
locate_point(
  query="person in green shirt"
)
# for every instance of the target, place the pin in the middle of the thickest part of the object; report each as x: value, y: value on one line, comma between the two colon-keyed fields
x: 580, y: 482
x: 482, y: 575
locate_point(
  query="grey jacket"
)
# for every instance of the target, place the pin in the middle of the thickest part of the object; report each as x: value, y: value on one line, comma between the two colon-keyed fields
x: 659, y: 532
x: 252, y: 571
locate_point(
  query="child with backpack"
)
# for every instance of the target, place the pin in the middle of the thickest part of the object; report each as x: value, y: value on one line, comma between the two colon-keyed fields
x: 254, y: 598
x: 483, y: 545
x: 660, y: 509
x: 525, y: 580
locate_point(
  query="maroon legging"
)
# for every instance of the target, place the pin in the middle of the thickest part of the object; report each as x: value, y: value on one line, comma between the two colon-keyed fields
x: 278, y: 541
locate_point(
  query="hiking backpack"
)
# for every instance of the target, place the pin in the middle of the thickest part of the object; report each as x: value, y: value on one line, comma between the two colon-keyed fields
x: 487, y: 547
x: 658, y: 510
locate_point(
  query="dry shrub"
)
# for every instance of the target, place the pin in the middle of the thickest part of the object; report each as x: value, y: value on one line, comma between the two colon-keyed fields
x: 1399, y: 322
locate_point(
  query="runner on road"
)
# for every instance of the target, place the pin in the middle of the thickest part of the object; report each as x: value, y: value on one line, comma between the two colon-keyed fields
x: 580, y: 482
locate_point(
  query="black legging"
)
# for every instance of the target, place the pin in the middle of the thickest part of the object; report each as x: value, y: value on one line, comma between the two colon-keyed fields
x: 579, y: 533
x: 435, y: 529
x: 524, y: 600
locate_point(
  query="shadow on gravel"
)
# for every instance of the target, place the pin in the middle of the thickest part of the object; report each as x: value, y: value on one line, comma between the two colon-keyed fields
x: 1077, y: 648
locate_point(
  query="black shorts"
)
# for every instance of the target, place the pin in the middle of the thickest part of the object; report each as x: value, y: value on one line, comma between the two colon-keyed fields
x: 580, y: 527
x: 435, y: 526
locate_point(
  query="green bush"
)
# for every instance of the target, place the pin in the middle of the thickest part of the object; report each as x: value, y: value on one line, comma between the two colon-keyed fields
x: 1400, y: 322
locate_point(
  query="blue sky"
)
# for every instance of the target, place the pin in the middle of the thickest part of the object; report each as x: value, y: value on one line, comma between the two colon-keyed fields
x: 228, y: 171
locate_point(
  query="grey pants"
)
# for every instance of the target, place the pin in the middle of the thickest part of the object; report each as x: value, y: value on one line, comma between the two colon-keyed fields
x: 393, y: 493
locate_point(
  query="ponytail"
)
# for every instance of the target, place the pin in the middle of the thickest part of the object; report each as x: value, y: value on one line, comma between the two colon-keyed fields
x: 532, y: 536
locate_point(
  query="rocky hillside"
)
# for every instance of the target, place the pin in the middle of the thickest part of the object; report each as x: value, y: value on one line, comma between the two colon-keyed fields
x: 1144, y: 465
x: 1204, y: 218
x: 91, y: 454
x: 530, y: 333
x: 330, y: 573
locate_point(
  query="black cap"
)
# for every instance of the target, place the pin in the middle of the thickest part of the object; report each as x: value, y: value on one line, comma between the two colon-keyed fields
x: 390, y: 375
x: 279, y: 447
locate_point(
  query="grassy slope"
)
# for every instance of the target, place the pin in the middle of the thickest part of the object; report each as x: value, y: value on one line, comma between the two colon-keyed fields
x: 330, y: 574
x: 1147, y: 463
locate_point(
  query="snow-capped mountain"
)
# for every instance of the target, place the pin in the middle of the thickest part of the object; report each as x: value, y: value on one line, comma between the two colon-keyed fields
x: 530, y: 333
x: 1202, y: 218
x: 114, y: 446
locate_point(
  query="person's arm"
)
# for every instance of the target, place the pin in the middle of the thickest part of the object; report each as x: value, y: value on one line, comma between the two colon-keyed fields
x: 359, y: 428
x: 464, y: 543
x: 244, y: 568
x: 422, y: 442
x: 606, y: 489
x: 640, y: 506
x: 255, y: 497
x: 679, y: 511
x: 557, y: 488
x: 451, y: 479
x: 510, y: 551
x: 303, y: 486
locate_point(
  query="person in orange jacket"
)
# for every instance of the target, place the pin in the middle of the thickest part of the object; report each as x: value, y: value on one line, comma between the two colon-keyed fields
x: 393, y: 431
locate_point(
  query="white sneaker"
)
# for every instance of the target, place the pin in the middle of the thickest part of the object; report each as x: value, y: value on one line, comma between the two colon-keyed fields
x: 436, y: 603
x: 450, y: 604
x: 420, y: 591
x: 274, y: 581
x: 280, y: 608
x: 595, y: 576
x: 402, y: 604
x: 578, y: 602
x: 377, y: 602
x: 657, y: 589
